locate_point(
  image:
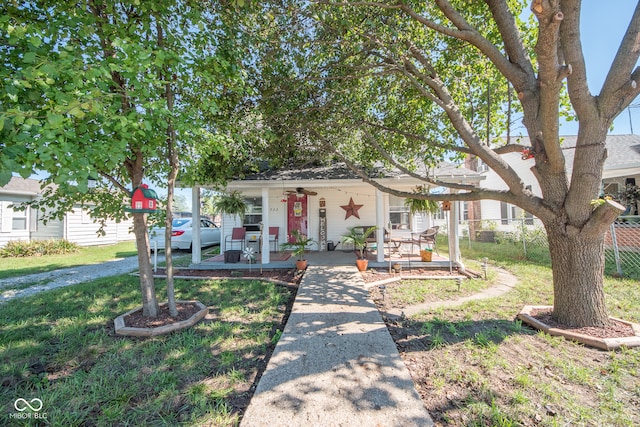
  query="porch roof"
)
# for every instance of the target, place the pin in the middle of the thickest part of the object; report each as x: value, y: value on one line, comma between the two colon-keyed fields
x: 321, y: 175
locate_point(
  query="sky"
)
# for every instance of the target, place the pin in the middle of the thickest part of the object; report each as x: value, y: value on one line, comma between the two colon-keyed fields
x: 602, y: 28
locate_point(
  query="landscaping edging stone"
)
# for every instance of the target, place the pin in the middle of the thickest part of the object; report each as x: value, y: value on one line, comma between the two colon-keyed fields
x: 121, y: 329
x: 601, y: 343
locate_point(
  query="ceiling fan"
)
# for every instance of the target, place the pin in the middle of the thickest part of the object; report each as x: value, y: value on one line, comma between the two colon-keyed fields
x: 301, y: 190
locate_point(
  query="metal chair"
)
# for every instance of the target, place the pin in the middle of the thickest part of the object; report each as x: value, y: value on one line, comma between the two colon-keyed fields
x: 273, y: 237
x: 238, y: 234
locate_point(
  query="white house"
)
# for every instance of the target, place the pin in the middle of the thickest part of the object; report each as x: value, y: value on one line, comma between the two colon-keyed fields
x: 323, y: 202
x: 77, y: 225
x: 622, y: 166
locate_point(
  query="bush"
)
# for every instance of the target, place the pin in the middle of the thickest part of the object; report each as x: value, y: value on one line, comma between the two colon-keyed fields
x: 21, y: 248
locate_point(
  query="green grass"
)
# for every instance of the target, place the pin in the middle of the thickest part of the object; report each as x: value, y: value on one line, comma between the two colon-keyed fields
x: 482, y: 368
x: 11, y: 267
x: 59, y: 346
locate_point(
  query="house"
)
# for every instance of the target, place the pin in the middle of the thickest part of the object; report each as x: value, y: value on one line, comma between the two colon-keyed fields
x: 77, y: 225
x: 323, y: 202
x: 621, y: 167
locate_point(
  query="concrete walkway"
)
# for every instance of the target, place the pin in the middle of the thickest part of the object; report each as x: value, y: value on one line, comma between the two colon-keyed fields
x: 335, y: 364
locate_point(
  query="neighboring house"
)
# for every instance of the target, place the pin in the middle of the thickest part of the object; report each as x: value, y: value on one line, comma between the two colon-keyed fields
x: 323, y: 202
x: 77, y: 225
x: 622, y: 166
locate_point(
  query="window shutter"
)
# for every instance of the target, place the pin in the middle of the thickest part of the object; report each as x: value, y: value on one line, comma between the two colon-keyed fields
x: 6, y: 217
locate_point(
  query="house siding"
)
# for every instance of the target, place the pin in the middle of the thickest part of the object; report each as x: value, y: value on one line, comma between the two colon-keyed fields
x: 82, y: 229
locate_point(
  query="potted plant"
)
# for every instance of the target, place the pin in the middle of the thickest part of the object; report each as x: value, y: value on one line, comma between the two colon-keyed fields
x: 298, y: 246
x: 359, y: 237
x: 426, y: 254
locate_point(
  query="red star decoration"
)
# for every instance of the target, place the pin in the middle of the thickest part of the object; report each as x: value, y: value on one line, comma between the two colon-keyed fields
x: 352, y: 209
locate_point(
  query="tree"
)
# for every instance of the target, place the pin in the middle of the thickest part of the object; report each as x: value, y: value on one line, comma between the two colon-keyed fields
x: 411, y: 83
x: 113, y: 90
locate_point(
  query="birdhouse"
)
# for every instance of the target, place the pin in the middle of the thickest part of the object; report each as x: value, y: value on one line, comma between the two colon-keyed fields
x: 143, y: 200
x: 446, y: 206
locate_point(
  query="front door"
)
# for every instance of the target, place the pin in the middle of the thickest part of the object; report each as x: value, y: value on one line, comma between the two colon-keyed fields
x: 296, y: 215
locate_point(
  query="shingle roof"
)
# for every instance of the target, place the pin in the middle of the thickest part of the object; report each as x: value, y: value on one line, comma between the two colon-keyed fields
x: 622, y: 150
x: 21, y: 185
x: 341, y: 171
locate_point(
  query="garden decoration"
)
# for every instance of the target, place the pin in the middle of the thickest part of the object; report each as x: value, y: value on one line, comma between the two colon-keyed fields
x: 143, y: 200
x: 249, y: 254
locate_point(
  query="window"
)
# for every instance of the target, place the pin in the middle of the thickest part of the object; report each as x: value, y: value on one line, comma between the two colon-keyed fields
x: 504, y: 213
x: 253, y: 214
x: 19, y: 220
x: 398, y: 213
x: 482, y: 166
x: 465, y: 211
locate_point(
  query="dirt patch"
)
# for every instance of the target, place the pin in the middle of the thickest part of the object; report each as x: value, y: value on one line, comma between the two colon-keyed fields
x: 476, y: 369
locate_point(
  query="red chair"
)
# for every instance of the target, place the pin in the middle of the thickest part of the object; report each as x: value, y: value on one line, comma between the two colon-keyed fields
x: 238, y: 234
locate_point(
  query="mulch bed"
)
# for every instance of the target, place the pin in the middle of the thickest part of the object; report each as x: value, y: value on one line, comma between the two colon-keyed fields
x: 614, y: 330
x: 290, y: 276
x: 137, y: 320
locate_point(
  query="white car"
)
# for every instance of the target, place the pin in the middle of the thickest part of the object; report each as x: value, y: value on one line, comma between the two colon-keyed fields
x: 182, y: 238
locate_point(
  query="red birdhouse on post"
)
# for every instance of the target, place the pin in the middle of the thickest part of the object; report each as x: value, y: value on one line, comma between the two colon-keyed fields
x: 143, y: 200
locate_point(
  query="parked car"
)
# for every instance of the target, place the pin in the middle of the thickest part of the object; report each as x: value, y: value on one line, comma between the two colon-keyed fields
x: 181, y: 236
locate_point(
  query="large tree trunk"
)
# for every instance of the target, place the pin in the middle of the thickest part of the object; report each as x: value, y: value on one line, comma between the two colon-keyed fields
x: 147, y: 286
x: 578, y: 269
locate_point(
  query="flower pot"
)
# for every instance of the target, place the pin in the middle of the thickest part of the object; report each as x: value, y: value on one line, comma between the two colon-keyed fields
x: 426, y: 256
x: 232, y: 256
x: 362, y: 264
x: 301, y: 264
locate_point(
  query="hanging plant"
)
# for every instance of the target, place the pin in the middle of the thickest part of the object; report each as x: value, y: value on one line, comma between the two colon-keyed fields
x: 421, y: 205
x: 230, y: 204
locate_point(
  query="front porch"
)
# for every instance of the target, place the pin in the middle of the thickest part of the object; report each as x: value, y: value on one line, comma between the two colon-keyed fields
x: 284, y: 260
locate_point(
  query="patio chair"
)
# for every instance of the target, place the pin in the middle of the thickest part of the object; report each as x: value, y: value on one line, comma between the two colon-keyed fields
x: 238, y: 234
x: 427, y: 237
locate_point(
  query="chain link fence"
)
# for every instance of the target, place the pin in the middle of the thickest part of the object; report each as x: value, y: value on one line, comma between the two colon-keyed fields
x: 526, y: 238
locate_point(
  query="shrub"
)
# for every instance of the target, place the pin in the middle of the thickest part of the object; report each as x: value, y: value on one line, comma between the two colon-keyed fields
x: 21, y: 248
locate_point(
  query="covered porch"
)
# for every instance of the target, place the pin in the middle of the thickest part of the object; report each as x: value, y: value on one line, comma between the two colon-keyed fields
x: 324, y: 203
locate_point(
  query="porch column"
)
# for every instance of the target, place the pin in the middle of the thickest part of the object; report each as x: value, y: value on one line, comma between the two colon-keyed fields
x: 266, y: 256
x: 454, y: 242
x: 380, y: 225
x: 196, y: 250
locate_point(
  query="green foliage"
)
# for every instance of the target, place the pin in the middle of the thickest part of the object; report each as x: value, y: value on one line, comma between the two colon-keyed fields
x: 358, y: 237
x: 96, y: 104
x: 232, y: 203
x: 299, y: 244
x: 21, y: 248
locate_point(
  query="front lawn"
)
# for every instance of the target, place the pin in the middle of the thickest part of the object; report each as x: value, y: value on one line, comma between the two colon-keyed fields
x: 59, y: 347
x: 17, y: 266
